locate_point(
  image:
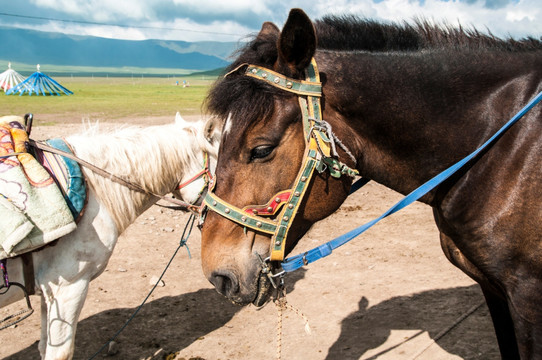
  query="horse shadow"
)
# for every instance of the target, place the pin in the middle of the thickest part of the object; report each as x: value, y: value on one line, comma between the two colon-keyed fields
x: 433, y: 312
x: 169, y: 323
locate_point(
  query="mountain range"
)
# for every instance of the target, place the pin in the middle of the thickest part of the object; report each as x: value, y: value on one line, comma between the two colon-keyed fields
x: 36, y: 47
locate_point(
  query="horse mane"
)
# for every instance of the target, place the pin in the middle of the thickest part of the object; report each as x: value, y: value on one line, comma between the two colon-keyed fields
x: 236, y: 95
x: 153, y: 157
x: 349, y: 32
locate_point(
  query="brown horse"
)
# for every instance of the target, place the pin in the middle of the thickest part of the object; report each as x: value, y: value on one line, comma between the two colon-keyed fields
x: 405, y: 102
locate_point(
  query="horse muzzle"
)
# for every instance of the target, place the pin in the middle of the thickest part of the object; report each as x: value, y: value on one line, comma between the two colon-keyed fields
x: 256, y: 289
x: 240, y: 293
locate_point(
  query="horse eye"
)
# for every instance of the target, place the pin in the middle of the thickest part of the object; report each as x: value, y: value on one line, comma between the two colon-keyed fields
x: 261, y: 152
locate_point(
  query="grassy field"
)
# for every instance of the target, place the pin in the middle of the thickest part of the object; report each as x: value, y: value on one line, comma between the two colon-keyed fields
x: 103, y: 98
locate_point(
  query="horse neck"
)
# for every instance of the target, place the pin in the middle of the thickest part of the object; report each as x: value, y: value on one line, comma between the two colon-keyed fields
x: 154, y: 158
x: 415, y: 114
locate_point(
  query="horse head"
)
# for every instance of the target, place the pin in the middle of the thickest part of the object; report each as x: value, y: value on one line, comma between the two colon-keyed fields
x: 263, y: 150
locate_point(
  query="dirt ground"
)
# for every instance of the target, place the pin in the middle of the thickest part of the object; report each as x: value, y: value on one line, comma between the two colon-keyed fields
x: 389, y: 294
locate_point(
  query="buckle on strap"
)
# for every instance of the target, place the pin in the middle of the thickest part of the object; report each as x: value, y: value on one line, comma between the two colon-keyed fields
x: 268, y: 271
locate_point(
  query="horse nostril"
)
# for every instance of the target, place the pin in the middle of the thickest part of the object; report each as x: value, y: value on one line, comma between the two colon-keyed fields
x: 225, y: 282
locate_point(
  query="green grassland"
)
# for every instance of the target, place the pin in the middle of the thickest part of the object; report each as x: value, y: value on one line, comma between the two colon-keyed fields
x: 107, y: 98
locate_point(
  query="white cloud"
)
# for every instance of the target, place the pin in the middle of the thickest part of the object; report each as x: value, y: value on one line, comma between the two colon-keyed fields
x: 260, y: 7
x: 181, y: 29
x: 517, y: 18
x: 217, y: 19
x: 98, y: 10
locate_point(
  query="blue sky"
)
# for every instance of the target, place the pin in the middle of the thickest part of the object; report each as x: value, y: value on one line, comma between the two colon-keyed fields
x: 233, y: 20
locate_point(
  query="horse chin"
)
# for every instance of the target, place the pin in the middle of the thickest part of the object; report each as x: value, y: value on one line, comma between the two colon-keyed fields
x: 264, y: 291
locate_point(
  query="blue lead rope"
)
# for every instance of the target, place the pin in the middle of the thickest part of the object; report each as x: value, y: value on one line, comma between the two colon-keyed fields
x: 295, y: 262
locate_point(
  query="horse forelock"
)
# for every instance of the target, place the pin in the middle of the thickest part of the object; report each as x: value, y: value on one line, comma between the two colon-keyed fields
x: 154, y: 157
x: 241, y: 98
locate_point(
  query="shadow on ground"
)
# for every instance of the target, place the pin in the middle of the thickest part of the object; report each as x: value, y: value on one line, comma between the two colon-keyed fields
x: 431, y: 311
x: 172, y: 323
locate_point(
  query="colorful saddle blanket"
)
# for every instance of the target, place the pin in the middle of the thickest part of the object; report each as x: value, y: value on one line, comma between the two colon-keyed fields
x: 67, y: 174
x: 33, y: 209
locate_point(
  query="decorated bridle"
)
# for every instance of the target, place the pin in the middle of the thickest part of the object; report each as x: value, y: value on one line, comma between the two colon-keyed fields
x: 204, y: 173
x: 277, y: 216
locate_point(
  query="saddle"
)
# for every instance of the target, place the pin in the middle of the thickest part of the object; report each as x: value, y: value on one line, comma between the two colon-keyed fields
x: 42, y: 197
x: 41, y: 194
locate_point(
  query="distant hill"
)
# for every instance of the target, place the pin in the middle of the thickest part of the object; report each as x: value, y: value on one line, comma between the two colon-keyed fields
x: 36, y: 47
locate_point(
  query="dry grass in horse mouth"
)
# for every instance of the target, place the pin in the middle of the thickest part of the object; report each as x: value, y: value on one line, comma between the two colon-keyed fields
x: 263, y: 296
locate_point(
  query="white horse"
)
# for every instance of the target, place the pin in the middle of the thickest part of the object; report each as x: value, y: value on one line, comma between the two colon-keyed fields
x: 157, y: 158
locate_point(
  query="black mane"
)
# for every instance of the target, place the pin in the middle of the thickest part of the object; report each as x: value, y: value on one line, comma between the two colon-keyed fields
x: 349, y: 32
x: 353, y: 33
x: 346, y: 33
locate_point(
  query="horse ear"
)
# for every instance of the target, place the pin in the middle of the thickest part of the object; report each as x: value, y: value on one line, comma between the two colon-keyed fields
x: 297, y: 42
x: 268, y: 28
x: 211, y: 129
x: 179, y: 119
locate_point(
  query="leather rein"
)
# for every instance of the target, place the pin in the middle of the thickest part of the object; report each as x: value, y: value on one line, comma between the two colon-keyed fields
x: 130, y: 185
x: 277, y: 215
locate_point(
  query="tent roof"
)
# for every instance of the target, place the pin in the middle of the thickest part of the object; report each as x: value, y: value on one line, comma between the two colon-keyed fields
x: 40, y: 84
x: 10, y: 78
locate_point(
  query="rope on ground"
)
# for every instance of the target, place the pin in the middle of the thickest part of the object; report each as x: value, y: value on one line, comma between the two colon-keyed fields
x: 281, y: 305
x: 448, y: 329
x: 188, y: 227
x: 279, y: 328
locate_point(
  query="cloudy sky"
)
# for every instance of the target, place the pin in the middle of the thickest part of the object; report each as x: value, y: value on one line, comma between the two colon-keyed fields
x: 233, y: 20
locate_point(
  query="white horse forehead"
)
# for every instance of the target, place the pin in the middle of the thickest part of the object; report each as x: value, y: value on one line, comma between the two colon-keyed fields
x: 227, y: 125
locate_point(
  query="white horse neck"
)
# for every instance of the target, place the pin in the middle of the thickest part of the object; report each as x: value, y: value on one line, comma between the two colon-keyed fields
x: 154, y: 157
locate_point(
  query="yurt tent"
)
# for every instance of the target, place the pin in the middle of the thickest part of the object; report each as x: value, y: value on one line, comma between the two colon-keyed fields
x: 40, y: 84
x: 10, y: 78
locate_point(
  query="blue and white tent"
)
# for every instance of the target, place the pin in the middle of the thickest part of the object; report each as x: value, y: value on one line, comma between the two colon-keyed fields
x: 40, y: 84
x: 10, y: 78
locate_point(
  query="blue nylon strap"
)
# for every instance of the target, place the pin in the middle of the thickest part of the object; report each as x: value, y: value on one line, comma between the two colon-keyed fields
x: 295, y: 262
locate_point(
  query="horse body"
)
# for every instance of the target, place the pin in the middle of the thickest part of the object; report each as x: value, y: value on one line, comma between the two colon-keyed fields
x: 485, y: 215
x: 405, y: 115
x: 412, y: 131
x: 157, y: 158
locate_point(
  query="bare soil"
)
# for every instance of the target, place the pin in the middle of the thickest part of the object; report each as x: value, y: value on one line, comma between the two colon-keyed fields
x: 389, y: 294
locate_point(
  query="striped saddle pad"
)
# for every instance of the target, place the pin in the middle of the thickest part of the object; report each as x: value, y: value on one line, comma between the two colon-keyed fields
x: 67, y: 174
